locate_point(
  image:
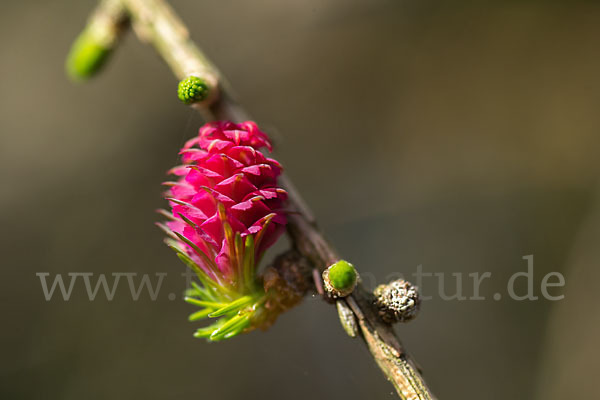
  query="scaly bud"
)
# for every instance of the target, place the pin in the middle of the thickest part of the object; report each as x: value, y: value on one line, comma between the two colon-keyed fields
x: 397, y: 301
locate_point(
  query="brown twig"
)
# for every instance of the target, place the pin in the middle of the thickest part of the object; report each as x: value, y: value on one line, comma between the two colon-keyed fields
x: 156, y: 23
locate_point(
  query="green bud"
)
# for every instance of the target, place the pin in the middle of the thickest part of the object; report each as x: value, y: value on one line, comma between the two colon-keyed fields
x: 340, y: 278
x: 192, y: 89
x: 86, y: 57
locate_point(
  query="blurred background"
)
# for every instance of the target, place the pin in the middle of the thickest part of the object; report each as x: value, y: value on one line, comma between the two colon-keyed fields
x: 458, y: 136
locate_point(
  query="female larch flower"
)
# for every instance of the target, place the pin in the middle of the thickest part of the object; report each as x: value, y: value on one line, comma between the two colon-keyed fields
x: 226, y: 209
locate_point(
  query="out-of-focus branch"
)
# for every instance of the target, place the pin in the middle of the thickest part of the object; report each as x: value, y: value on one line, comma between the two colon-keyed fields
x: 156, y: 23
x: 101, y: 35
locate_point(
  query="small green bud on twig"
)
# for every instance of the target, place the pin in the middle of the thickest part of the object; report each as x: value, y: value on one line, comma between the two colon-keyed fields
x: 86, y: 57
x: 192, y: 90
x: 340, y: 279
x: 93, y: 46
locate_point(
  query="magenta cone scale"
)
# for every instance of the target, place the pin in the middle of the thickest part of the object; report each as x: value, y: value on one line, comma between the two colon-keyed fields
x: 226, y: 209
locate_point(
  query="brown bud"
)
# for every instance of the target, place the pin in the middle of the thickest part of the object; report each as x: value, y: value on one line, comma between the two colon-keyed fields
x: 397, y: 301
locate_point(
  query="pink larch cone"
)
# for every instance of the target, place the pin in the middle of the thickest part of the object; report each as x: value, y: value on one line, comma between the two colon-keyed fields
x: 226, y: 210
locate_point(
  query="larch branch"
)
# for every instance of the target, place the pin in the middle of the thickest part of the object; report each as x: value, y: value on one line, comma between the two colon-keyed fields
x: 156, y: 23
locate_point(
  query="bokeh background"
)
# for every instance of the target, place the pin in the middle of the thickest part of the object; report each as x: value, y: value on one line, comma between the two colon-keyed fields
x: 459, y: 136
